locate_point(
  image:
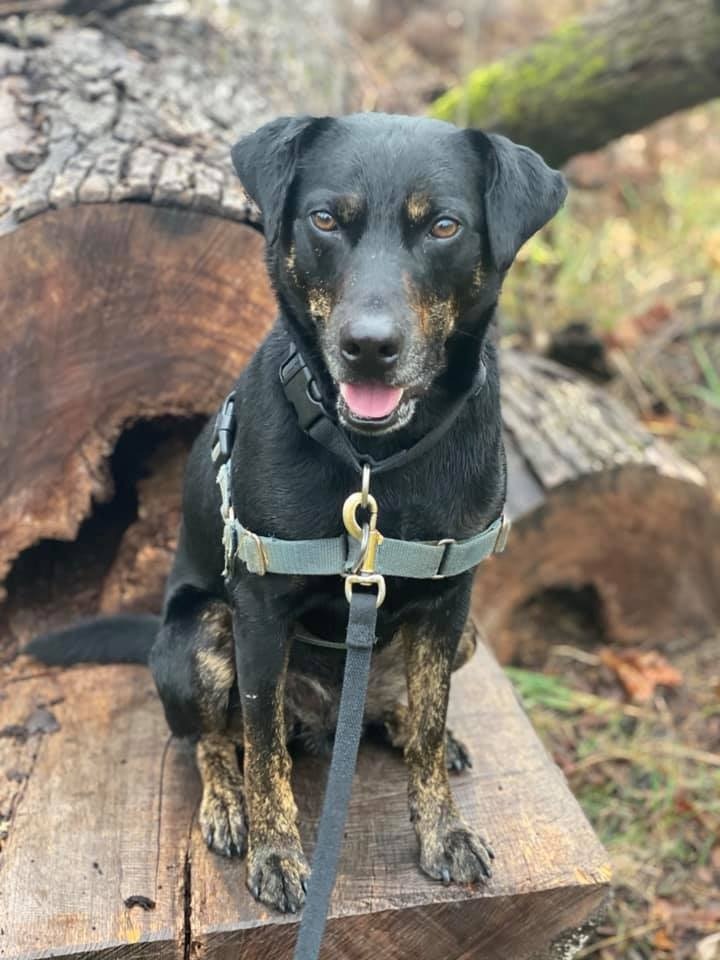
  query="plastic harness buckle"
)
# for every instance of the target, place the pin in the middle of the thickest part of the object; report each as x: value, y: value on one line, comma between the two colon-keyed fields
x: 224, y: 432
x: 301, y: 390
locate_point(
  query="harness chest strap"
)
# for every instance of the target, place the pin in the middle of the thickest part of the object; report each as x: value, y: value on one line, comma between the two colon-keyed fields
x: 338, y: 555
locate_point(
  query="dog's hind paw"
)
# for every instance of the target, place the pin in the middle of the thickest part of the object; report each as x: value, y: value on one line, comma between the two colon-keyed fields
x: 457, y: 854
x: 222, y: 821
x: 457, y: 756
x: 278, y: 876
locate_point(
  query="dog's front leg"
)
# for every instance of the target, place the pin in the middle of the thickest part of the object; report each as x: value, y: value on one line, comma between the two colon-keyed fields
x: 449, y: 849
x: 277, y: 870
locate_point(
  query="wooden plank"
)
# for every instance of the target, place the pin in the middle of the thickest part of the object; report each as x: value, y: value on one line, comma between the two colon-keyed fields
x: 98, y: 792
x: 103, y: 815
x: 550, y: 870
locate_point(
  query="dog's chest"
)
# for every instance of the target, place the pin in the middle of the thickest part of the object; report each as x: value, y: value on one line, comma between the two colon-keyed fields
x: 311, y: 700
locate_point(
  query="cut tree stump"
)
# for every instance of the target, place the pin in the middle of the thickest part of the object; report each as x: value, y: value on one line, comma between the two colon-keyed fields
x: 125, y: 276
x: 99, y: 805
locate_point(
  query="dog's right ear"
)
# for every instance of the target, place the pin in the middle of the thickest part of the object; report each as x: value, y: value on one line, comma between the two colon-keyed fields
x: 266, y: 160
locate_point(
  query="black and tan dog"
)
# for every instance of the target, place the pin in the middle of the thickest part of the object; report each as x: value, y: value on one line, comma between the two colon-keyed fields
x: 388, y: 239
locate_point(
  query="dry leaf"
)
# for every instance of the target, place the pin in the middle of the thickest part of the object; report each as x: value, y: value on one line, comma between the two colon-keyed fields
x: 662, y: 941
x: 640, y: 671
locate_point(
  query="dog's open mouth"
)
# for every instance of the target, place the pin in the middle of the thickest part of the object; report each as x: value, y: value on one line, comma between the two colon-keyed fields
x: 370, y: 406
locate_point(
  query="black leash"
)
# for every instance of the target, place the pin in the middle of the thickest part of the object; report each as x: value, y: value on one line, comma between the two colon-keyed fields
x: 360, y: 640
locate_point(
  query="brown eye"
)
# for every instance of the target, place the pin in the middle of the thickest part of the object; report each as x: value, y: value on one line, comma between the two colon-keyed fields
x: 324, y: 221
x: 444, y: 228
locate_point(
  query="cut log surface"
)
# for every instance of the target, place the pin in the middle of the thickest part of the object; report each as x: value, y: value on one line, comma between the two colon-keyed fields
x: 100, y: 806
x: 597, y: 501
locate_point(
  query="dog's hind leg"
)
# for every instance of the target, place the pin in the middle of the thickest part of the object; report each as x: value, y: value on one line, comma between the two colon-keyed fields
x: 395, y: 724
x: 222, y: 808
x: 277, y: 870
x: 194, y: 668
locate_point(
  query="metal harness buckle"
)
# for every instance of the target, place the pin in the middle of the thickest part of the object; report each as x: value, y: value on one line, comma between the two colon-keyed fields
x: 502, y: 535
x: 262, y: 562
x: 442, y: 543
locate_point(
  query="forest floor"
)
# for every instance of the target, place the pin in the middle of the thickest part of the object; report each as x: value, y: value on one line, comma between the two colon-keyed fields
x: 624, y: 284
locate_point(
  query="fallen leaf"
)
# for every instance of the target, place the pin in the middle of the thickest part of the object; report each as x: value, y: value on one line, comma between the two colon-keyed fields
x: 632, y: 328
x: 640, y: 671
x: 662, y: 941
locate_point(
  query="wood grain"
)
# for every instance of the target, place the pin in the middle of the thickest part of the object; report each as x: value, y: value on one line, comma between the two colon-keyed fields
x: 118, y: 313
x: 104, y: 790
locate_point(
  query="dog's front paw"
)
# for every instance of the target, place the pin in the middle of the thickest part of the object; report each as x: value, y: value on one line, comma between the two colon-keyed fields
x: 277, y: 875
x: 222, y: 821
x: 451, y: 851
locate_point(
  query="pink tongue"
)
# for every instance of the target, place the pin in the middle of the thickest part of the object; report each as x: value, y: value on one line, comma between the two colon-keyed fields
x: 371, y: 400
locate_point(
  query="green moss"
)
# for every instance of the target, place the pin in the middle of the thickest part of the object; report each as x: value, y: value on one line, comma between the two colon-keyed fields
x: 562, y: 67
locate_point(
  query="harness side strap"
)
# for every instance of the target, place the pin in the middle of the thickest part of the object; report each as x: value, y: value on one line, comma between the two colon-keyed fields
x: 360, y: 640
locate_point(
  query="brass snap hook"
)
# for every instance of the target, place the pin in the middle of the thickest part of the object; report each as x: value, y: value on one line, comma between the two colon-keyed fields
x: 369, y: 536
x: 363, y: 570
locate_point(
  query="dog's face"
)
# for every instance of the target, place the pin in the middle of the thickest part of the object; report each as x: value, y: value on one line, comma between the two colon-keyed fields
x: 388, y: 238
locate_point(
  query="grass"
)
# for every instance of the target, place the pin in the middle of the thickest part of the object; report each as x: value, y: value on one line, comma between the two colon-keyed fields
x: 616, y: 252
x: 638, y: 261
x: 651, y: 791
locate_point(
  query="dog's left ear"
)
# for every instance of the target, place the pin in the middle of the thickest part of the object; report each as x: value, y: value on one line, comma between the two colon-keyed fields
x: 266, y: 161
x: 522, y: 193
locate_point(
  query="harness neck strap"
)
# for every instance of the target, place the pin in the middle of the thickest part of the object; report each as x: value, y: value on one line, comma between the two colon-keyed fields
x: 304, y: 396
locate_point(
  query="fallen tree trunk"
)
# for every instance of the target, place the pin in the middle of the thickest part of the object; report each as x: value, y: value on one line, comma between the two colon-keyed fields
x: 627, y: 64
x: 114, y: 312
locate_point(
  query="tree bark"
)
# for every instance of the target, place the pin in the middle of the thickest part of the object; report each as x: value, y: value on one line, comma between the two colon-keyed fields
x: 627, y: 64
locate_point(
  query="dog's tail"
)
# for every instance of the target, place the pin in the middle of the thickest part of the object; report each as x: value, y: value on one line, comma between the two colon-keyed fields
x: 126, y: 638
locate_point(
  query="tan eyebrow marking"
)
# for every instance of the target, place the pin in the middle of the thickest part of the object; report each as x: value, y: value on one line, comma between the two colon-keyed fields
x: 348, y: 207
x: 417, y: 206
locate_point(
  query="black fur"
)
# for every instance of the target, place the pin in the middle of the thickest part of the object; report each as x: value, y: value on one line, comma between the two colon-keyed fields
x: 120, y: 639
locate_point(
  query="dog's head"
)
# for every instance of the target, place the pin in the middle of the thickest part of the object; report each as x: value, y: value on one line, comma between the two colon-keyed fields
x: 388, y: 238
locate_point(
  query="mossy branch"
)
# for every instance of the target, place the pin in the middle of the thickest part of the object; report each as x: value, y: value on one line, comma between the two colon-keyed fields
x: 625, y: 66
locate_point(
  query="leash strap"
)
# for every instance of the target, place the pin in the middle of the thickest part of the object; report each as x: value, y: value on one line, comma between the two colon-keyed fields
x: 360, y: 640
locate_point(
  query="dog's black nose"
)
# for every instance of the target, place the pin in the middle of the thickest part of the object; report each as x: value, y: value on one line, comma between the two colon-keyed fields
x: 371, y: 344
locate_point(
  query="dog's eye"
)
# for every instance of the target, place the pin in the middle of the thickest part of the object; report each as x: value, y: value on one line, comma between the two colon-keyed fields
x: 324, y: 221
x: 444, y: 228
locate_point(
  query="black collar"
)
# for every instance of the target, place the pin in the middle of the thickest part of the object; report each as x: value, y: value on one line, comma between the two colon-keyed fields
x: 304, y: 396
